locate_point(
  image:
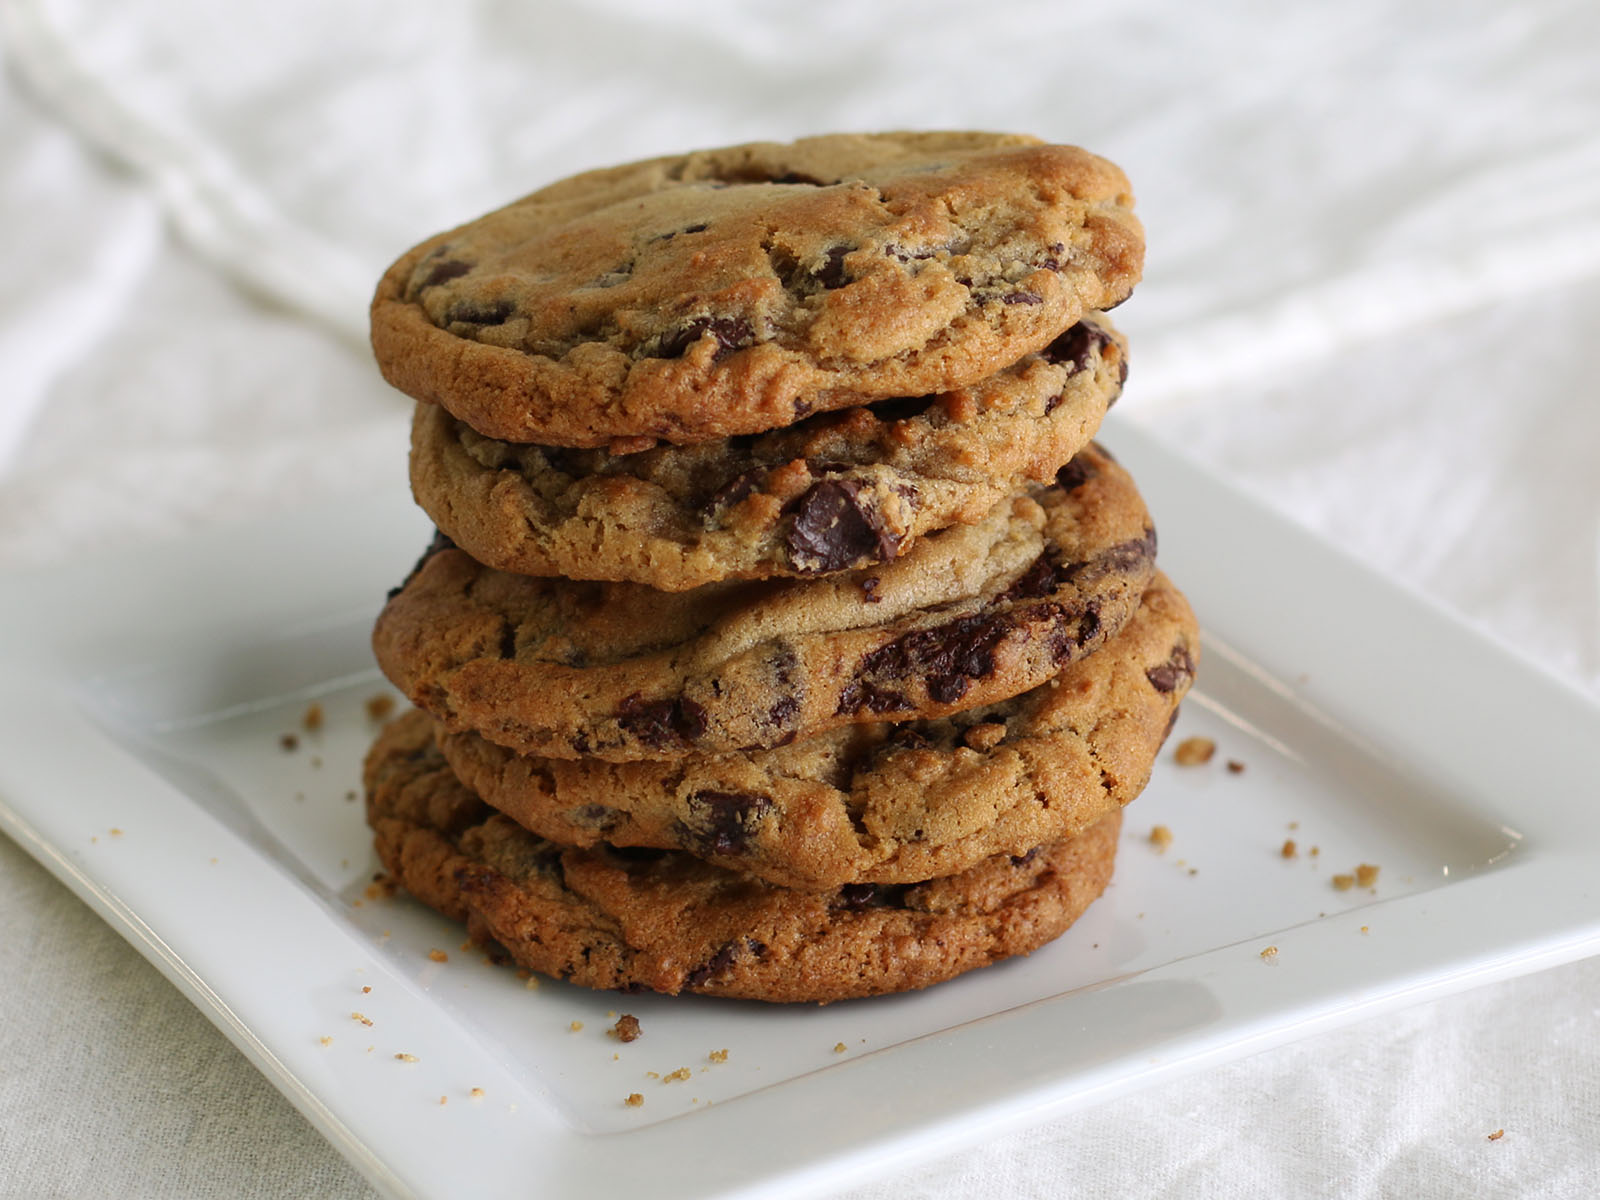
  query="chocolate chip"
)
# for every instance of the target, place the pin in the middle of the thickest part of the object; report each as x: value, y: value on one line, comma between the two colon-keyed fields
x: 782, y: 713
x: 863, y: 694
x: 731, y: 492
x: 1038, y: 580
x: 595, y: 816
x: 831, y: 274
x: 508, y: 640
x: 834, y: 529
x: 467, y: 313
x: 1052, y: 260
x: 1022, y: 860
x: 869, y: 590
x: 444, y: 272
x: 662, y: 723
x: 1076, y: 473
x: 1022, y: 297
x: 871, y: 895
x: 947, y: 658
x: 1178, y: 669
x: 1076, y: 345
x: 731, y: 333
x: 722, y: 822
x: 718, y: 962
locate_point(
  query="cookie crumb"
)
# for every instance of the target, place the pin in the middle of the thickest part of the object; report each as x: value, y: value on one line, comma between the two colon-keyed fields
x: 1366, y: 875
x: 476, y: 1093
x: 438, y: 956
x: 1289, y: 850
x: 718, y: 1056
x: 1314, y: 851
x: 634, y: 1100
x: 531, y: 983
x: 1343, y: 883
x: 365, y: 1020
x: 311, y: 719
x: 675, y: 1076
x: 1235, y: 767
x: 984, y: 737
x: 405, y: 1058
x: 443, y: 1100
x: 326, y: 1041
x: 289, y: 742
x: 1497, y: 1135
x: 115, y: 832
x: 350, y: 796
x: 380, y: 706
x: 576, y: 1027
x: 838, y: 1047
x: 1270, y: 954
x: 1160, y: 837
x: 1193, y: 751
x: 626, y: 1029
x: 366, y: 988
x: 316, y: 760
x: 1293, y: 825
x: 1366, y: 929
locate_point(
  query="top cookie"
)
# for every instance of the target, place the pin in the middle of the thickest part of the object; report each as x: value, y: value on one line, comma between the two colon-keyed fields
x: 737, y: 290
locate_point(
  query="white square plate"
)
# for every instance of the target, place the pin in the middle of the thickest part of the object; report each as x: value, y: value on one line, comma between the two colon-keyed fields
x: 145, y: 702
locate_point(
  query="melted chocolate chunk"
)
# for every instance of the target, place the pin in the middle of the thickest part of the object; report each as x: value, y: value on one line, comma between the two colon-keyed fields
x: 947, y: 658
x: 833, y: 529
x: 1076, y: 473
x: 872, y: 895
x: 1022, y: 297
x: 730, y: 493
x: 444, y: 272
x: 782, y: 713
x: 661, y: 723
x: 1076, y: 345
x: 496, y: 313
x: 731, y: 333
x: 1022, y: 860
x: 1178, y: 668
x: 720, y: 961
x: 722, y: 822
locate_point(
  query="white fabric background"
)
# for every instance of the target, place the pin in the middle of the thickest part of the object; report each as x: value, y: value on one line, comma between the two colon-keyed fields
x: 1372, y: 293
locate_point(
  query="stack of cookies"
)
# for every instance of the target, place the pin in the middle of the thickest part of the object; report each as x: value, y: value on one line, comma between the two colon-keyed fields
x: 786, y: 636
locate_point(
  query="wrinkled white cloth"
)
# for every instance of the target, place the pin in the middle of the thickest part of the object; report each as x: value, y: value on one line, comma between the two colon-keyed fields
x: 1373, y: 281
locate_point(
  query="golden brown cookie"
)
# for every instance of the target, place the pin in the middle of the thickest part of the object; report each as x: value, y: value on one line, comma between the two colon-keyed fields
x: 838, y: 490
x: 971, y: 615
x: 879, y: 803
x: 648, y: 920
x: 741, y: 289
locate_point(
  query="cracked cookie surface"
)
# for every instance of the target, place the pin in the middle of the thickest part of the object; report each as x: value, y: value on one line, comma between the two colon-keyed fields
x: 879, y: 803
x: 740, y: 289
x: 646, y: 920
x: 971, y: 615
x: 836, y: 491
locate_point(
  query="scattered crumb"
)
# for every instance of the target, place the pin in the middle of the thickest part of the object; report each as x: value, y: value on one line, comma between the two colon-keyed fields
x: 370, y: 1049
x: 634, y: 1100
x: 365, y: 1020
x: 316, y: 760
x: 1366, y: 875
x: 984, y: 737
x: 1235, y: 767
x: 611, y: 1014
x: 366, y: 988
x: 350, y: 796
x: 466, y: 945
x: 312, y: 718
x: 674, y: 1076
x: 1314, y: 851
x: 438, y: 956
x: 404, y: 1057
x: 1497, y: 1135
x: 1289, y: 850
x: 1366, y: 929
x: 1160, y: 837
x: 289, y: 742
x: 652, y: 1074
x: 1270, y: 954
x: 576, y: 1027
x: 626, y: 1029
x: 300, y: 797
x: 327, y: 1041
x: 1193, y: 751
x: 1343, y: 883
x: 718, y: 1056
x: 380, y: 706
x: 477, y: 1093
x: 115, y: 832
x: 213, y: 862
x: 531, y: 983
x: 1293, y: 825
x: 838, y: 1048
x: 1194, y: 870
x: 94, y: 841
x: 443, y: 1100
x: 616, y: 1058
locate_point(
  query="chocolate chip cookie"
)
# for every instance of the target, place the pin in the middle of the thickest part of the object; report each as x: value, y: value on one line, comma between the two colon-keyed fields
x: 971, y: 615
x: 879, y: 803
x: 737, y: 290
x: 653, y: 920
x: 835, y: 491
